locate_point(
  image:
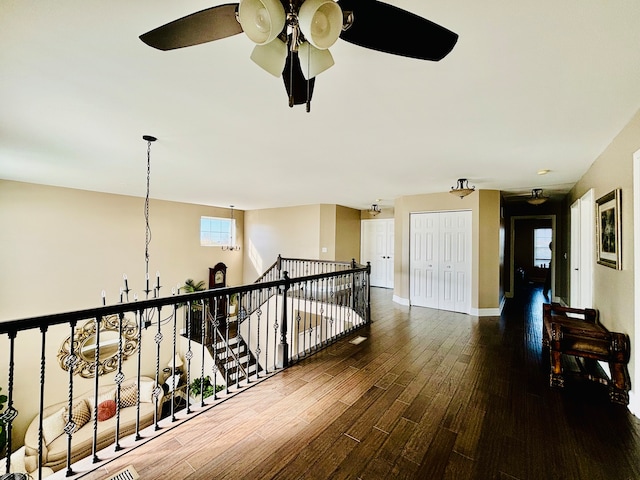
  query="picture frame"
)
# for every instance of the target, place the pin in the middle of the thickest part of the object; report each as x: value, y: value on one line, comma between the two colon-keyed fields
x: 608, y: 229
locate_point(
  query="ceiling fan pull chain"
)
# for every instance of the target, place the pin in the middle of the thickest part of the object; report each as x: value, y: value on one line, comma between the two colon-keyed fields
x: 291, y: 101
x: 308, y: 80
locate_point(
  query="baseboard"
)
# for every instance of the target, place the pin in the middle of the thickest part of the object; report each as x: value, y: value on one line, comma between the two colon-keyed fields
x: 401, y: 301
x: 478, y: 312
x: 559, y: 300
x: 486, y: 312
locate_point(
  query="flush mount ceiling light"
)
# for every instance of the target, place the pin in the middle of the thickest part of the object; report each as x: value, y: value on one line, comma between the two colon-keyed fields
x: 292, y: 37
x: 374, y: 211
x: 537, y: 198
x: 462, y: 189
x: 544, y: 171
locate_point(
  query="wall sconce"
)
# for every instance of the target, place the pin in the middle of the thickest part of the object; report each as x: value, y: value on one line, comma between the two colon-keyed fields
x: 537, y: 198
x: 462, y: 189
x: 374, y: 211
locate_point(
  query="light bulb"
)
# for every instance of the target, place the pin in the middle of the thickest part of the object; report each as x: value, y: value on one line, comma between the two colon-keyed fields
x: 320, y: 24
x: 262, y: 20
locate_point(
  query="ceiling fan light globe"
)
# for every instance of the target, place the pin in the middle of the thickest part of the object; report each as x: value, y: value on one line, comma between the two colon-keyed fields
x: 261, y: 20
x: 314, y: 61
x: 320, y: 22
x: 271, y: 57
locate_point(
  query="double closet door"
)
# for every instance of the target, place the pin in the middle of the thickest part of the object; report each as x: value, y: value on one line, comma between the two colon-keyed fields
x: 440, y: 265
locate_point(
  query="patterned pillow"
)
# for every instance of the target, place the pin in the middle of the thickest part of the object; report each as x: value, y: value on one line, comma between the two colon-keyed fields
x: 80, y: 414
x: 106, y: 410
x: 129, y: 395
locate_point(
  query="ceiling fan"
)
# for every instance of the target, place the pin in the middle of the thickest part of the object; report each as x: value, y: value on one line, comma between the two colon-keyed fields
x: 293, y: 36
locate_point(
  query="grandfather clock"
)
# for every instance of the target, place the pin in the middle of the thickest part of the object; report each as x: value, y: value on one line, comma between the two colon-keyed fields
x: 218, y: 276
x: 218, y: 279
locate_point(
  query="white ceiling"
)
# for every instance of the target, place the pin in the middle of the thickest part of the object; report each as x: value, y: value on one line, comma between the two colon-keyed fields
x: 530, y: 85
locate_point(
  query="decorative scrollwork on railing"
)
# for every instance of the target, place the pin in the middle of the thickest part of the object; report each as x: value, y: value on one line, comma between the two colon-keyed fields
x: 79, y: 353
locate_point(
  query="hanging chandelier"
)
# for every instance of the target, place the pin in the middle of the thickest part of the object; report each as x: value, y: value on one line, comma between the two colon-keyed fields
x: 231, y: 247
x: 462, y: 189
x: 537, y: 197
x: 374, y: 210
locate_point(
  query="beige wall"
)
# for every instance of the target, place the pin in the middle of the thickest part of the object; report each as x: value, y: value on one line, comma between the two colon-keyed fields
x: 347, y: 234
x: 292, y: 232
x: 486, y: 238
x: 327, y: 240
x: 613, y: 290
x: 299, y: 232
x: 62, y: 247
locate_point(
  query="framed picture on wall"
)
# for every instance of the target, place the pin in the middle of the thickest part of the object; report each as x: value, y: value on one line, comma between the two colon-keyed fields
x: 608, y: 229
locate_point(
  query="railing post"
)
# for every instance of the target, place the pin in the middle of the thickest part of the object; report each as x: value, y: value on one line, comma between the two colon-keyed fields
x: 283, y: 346
x: 368, y: 277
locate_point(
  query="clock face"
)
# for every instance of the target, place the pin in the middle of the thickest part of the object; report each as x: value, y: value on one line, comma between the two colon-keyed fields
x: 219, y: 278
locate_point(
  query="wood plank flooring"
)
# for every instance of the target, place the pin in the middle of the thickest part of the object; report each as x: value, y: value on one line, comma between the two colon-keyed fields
x: 428, y: 395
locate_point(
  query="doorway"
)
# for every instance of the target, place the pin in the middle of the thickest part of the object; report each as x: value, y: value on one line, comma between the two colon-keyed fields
x: 377, y: 248
x: 582, y: 259
x: 524, y: 267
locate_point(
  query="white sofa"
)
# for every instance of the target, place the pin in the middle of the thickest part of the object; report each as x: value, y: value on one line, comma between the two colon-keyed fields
x: 54, y: 445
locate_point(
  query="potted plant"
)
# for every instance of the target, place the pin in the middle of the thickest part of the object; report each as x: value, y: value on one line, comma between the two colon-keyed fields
x: 200, y: 385
x: 190, y: 286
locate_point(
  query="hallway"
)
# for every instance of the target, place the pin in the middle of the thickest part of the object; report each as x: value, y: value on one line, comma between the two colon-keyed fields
x: 428, y: 395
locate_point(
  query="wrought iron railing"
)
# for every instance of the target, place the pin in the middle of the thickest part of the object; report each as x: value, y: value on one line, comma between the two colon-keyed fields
x: 277, y: 321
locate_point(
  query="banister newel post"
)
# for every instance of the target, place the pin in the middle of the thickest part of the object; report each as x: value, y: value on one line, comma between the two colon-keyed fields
x: 368, y: 320
x: 283, y: 346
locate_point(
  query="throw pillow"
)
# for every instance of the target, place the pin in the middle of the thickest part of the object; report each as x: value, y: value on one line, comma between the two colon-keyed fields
x: 108, y: 395
x: 80, y: 414
x: 53, y: 426
x: 106, y: 410
x: 129, y: 396
x: 146, y: 392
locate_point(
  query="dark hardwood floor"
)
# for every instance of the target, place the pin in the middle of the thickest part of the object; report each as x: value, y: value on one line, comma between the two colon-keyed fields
x: 428, y: 395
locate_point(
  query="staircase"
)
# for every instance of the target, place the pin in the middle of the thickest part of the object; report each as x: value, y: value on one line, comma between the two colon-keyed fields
x: 233, y: 358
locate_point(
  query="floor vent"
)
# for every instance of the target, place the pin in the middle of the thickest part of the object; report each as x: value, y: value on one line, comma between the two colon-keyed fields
x: 128, y: 473
x: 358, y: 340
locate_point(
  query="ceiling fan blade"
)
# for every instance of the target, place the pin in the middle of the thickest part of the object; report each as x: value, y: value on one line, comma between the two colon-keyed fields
x: 383, y: 27
x: 201, y: 27
x: 299, y: 89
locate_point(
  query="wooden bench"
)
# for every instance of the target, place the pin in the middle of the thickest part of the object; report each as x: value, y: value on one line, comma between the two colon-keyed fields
x: 578, y: 332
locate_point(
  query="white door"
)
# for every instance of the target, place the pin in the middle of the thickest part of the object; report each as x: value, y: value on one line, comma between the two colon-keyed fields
x: 455, y: 254
x: 377, y: 248
x: 575, y: 289
x: 582, y: 258
x: 424, y: 263
x: 440, y: 264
